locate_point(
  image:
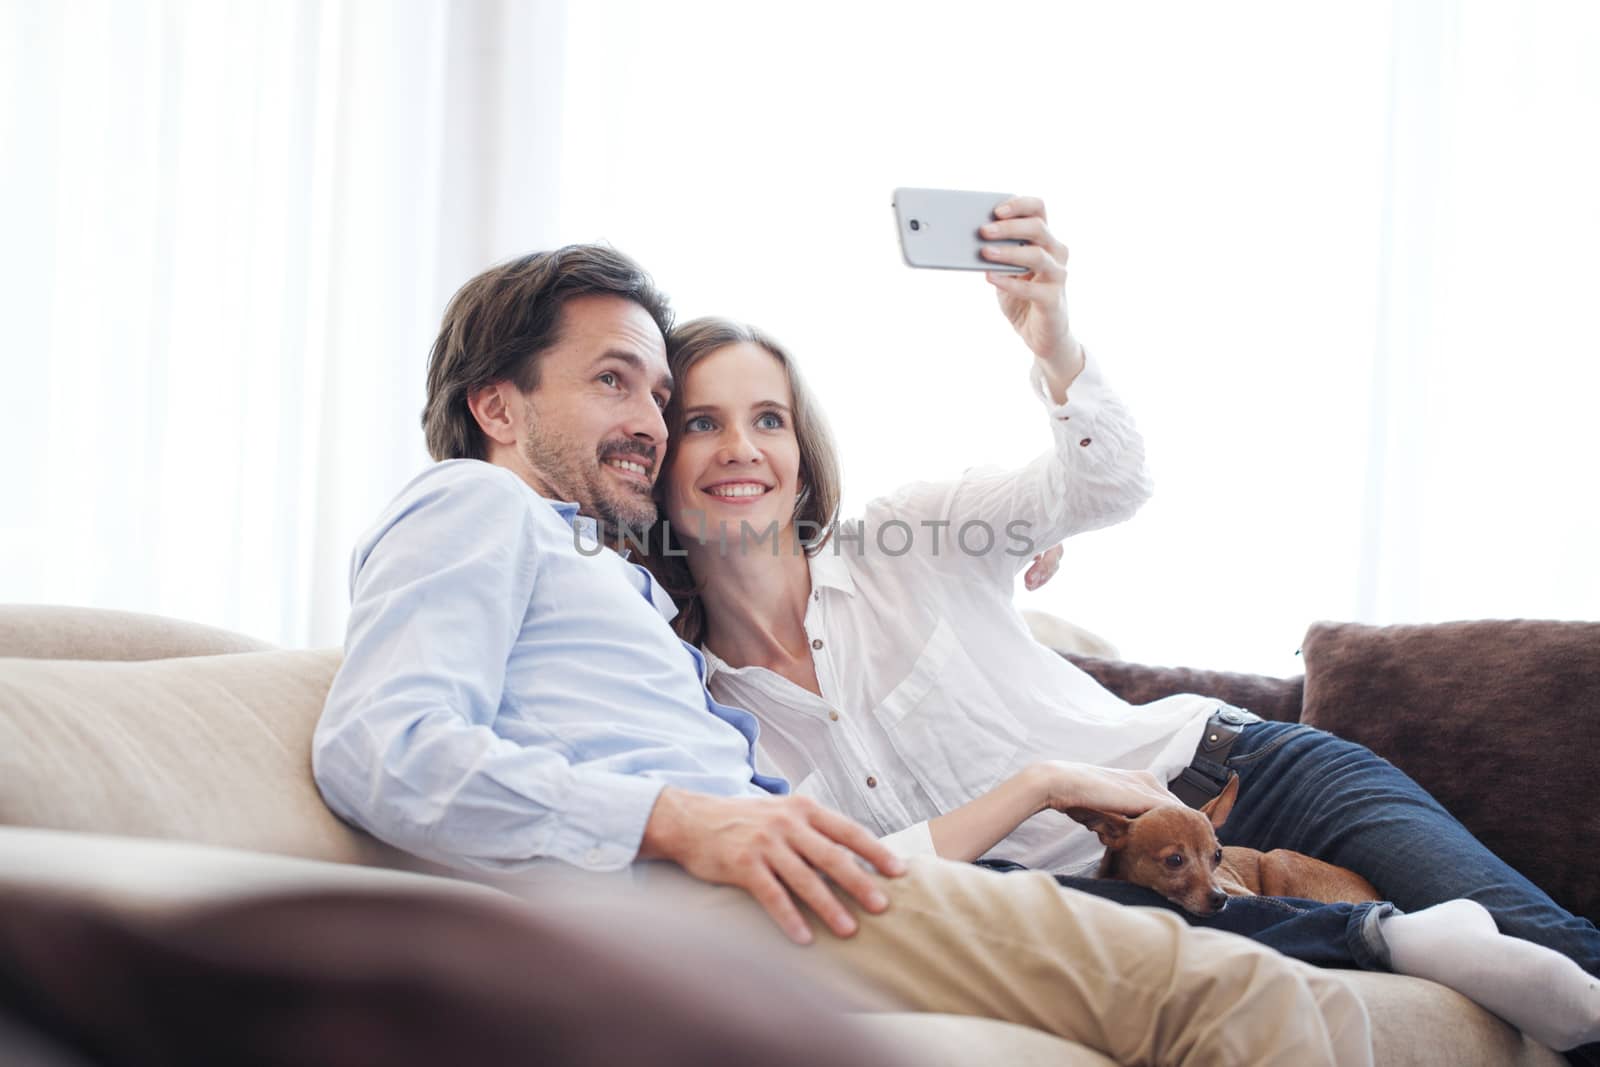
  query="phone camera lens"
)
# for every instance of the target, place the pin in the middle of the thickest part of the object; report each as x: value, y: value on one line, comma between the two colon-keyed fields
x: 915, y: 225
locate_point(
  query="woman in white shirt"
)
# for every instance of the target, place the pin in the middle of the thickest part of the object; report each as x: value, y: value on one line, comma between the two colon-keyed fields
x: 895, y: 680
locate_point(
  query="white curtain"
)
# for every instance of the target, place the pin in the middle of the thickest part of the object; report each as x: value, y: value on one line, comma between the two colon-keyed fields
x: 1484, y: 455
x: 1338, y: 257
x: 230, y: 230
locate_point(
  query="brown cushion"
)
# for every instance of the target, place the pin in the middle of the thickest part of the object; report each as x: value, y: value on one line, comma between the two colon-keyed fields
x: 330, y: 979
x: 1498, y: 720
x: 1270, y: 698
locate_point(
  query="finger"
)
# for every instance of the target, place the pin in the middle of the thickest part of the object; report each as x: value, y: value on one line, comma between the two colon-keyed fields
x: 804, y: 882
x: 1019, y: 206
x: 1032, y: 230
x: 1023, y: 287
x: 839, y: 863
x: 1034, y: 258
x: 853, y: 836
x: 774, y: 899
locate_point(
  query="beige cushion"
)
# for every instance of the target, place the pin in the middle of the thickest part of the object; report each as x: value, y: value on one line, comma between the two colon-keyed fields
x: 1420, y: 1024
x: 215, y: 750
x: 1057, y: 634
x: 932, y: 1040
x: 34, y: 631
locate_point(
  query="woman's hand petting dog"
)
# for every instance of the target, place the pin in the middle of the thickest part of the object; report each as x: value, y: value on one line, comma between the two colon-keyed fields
x: 1080, y: 785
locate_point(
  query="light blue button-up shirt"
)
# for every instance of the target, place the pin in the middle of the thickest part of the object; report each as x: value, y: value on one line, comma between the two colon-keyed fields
x: 506, y: 697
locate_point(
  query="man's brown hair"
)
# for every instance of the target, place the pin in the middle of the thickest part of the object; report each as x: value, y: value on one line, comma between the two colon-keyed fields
x: 499, y: 324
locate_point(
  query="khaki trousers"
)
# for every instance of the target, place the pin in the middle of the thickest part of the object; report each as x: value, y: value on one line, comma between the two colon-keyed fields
x: 1136, y: 984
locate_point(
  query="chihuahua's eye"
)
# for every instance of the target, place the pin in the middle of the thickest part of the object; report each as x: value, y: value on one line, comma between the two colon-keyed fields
x: 1217, y: 856
x: 1175, y: 860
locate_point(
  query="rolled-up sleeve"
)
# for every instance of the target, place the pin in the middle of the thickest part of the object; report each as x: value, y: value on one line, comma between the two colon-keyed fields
x: 994, y: 520
x: 406, y: 748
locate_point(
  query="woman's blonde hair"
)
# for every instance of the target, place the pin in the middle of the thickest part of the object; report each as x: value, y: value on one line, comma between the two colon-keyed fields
x: 817, y: 501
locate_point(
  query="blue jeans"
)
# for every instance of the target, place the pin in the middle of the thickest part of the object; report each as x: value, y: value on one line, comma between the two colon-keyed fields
x: 1303, y: 789
x: 1327, y: 935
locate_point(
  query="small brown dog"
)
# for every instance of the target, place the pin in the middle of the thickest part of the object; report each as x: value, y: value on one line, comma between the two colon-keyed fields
x: 1173, y: 849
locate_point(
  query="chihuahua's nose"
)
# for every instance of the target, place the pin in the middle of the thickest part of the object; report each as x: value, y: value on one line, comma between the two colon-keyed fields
x: 1218, y: 900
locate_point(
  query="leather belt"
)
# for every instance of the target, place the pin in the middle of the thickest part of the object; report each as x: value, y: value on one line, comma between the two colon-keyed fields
x: 1207, y: 774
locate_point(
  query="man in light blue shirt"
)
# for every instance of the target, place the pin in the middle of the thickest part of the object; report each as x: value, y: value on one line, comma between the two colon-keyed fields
x: 512, y: 692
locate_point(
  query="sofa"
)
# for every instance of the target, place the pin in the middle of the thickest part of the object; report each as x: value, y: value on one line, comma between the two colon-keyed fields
x: 149, y: 764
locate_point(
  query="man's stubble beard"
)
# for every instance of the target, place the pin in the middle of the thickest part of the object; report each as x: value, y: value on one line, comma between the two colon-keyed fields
x: 580, y: 479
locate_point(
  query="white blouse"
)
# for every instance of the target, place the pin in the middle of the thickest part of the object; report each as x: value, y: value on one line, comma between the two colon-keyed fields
x: 933, y: 690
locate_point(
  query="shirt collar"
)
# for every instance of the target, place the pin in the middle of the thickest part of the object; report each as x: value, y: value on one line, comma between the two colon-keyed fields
x: 714, y: 663
x: 589, y: 531
x: 829, y: 570
x: 586, y: 527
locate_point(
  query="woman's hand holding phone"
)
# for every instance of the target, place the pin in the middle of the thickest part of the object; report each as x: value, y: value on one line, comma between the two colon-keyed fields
x: 1035, y: 302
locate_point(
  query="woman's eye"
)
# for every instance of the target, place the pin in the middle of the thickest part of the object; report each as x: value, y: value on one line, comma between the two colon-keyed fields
x: 697, y: 424
x: 1175, y: 860
x: 770, y: 421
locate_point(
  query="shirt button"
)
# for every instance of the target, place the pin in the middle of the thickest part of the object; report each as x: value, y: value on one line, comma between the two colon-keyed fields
x: 816, y: 643
x: 1084, y: 443
x: 833, y: 715
x: 872, y: 783
x: 816, y: 594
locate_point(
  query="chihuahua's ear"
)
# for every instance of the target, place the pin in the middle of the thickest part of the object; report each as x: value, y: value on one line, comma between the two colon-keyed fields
x: 1111, y: 828
x: 1218, y: 807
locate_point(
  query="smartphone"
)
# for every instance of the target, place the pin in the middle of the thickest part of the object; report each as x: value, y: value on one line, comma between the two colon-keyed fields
x: 939, y: 228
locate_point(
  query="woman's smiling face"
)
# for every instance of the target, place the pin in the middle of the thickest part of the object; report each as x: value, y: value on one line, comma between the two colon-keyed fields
x: 735, y: 457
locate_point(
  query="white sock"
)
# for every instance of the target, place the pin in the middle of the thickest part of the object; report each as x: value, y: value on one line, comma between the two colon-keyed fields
x: 1536, y: 989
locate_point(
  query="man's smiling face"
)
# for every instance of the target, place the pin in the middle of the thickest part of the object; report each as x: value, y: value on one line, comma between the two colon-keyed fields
x: 592, y: 432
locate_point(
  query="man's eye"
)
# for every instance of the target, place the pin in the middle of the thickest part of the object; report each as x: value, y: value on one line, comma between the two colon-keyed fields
x: 608, y: 380
x: 1175, y: 861
x: 661, y: 401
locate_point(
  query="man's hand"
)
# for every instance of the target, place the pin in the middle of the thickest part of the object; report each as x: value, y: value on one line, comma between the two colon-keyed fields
x: 772, y: 847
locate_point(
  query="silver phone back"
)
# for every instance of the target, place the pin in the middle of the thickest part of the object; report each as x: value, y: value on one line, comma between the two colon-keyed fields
x: 939, y: 228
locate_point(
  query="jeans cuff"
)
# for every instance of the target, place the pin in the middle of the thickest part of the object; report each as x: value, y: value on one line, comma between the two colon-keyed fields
x: 1368, y: 948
